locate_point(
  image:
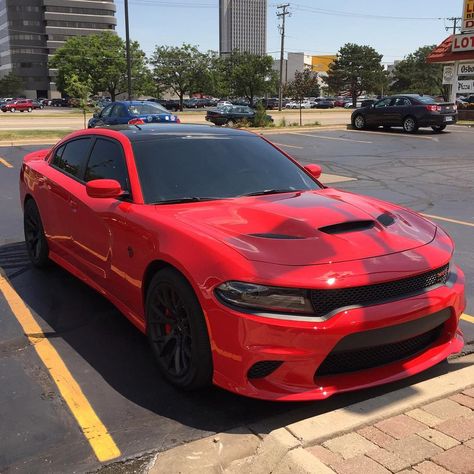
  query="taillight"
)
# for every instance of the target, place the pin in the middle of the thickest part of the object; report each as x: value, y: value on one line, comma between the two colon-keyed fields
x: 136, y: 121
x: 433, y: 108
x: 177, y: 120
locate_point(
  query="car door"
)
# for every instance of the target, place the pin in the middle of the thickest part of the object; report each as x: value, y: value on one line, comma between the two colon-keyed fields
x: 104, y: 115
x: 121, y: 114
x: 63, y: 177
x: 401, y: 109
x: 96, y: 220
x: 377, y: 115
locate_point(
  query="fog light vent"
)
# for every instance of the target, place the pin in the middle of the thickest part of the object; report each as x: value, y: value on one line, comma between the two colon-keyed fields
x: 263, y: 368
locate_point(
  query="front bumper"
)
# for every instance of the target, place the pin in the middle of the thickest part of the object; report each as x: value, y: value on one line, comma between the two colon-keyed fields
x: 240, y: 340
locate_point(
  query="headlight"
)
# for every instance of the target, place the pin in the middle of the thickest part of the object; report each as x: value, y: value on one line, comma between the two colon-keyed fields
x: 265, y: 298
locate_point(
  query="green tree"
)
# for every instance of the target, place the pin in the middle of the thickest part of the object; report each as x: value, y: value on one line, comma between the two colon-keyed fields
x: 81, y: 90
x: 415, y: 75
x: 356, y: 69
x: 305, y: 84
x: 101, y: 61
x: 10, y: 85
x: 180, y: 68
x: 249, y: 75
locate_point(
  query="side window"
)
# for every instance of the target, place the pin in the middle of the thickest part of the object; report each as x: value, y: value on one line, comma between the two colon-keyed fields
x: 106, y: 112
x: 71, y: 157
x: 107, y: 162
x: 120, y: 111
x: 402, y: 101
x: 383, y: 103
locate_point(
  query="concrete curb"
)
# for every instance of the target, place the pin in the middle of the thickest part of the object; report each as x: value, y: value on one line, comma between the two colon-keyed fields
x: 282, y: 450
x: 39, y: 141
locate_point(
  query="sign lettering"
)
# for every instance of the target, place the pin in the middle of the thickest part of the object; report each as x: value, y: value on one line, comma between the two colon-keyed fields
x: 468, y: 16
x: 463, y: 43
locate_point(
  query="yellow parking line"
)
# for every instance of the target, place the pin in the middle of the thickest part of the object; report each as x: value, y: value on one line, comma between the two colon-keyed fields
x: 5, y: 163
x: 95, y: 432
x: 453, y: 221
x: 466, y: 317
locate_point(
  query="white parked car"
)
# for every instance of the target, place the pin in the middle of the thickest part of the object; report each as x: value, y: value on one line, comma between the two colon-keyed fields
x: 223, y: 103
x: 306, y: 104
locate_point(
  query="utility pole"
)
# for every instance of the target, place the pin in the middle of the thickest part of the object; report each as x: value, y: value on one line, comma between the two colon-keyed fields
x: 455, y: 24
x: 127, y: 47
x: 282, y: 13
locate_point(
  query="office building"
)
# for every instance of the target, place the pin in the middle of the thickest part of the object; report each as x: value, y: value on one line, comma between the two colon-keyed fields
x: 32, y: 30
x: 243, y: 26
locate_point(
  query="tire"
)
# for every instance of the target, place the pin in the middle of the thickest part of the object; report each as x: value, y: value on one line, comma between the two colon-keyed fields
x: 410, y: 125
x: 177, y: 332
x: 359, y: 122
x: 35, y: 239
x: 21, y: 111
x: 29, y: 109
x: 438, y: 128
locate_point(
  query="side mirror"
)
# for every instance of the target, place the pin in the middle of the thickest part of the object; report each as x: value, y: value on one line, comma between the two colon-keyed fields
x: 103, y: 188
x: 314, y: 170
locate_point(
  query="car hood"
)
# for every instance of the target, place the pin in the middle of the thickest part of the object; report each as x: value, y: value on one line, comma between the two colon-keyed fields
x: 309, y: 228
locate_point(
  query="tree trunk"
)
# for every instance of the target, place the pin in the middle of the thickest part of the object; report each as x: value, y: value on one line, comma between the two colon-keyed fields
x: 301, y: 115
x: 112, y: 95
x: 181, y: 97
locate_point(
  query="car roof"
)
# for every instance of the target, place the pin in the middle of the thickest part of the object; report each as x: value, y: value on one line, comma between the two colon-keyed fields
x: 150, y: 131
x: 131, y: 102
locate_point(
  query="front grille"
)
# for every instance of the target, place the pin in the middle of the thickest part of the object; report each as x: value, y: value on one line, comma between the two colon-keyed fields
x: 262, y: 369
x: 367, y: 358
x: 325, y: 301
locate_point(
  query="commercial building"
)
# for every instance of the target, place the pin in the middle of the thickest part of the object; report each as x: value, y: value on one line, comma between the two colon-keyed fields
x: 243, y: 26
x: 301, y: 62
x: 32, y: 30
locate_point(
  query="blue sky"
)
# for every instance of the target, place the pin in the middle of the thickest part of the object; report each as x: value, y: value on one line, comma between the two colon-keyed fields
x: 315, y: 27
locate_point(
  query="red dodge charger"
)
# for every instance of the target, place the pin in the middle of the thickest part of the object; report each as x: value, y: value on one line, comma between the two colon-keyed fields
x: 242, y: 269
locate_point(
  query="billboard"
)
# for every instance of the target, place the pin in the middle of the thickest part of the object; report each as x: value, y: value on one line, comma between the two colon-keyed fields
x: 468, y: 16
x: 321, y: 63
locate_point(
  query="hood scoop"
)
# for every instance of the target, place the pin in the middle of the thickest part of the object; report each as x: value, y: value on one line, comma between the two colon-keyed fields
x: 343, y: 227
x: 276, y: 236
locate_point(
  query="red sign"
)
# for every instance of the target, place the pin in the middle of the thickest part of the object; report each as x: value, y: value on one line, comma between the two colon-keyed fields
x: 463, y: 43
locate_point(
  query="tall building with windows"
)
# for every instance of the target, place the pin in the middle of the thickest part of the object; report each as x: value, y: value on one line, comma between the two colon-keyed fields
x: 243, y: 26
x: 32, y: 30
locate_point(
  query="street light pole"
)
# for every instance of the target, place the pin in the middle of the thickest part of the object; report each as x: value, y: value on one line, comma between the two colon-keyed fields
x: 127, y: 47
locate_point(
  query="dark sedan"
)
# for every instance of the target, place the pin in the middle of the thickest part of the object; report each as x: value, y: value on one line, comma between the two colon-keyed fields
x: 323, y: 104
x: 133, y: 112
x: 232, y: 114
x: 409, y: 111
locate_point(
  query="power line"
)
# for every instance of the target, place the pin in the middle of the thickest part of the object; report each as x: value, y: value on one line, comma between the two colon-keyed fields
x: 282, y: 12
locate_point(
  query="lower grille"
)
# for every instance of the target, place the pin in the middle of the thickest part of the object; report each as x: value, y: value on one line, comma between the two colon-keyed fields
x: 263, y: 368
x: 367, y: 358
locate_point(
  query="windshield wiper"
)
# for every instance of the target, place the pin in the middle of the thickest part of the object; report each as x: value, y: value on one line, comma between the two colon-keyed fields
x: 271, y: 191
x: 185, y: 199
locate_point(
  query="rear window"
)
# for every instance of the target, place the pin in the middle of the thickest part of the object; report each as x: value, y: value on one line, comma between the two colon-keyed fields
x: 146, y: 109
x: 213, y: 166
x: 426, y: 99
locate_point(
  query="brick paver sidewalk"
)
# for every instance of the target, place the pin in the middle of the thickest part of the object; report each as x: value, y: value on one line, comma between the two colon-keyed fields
x: 437, y: 438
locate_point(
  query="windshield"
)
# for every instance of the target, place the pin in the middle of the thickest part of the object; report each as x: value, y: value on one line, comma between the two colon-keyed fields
x: 146, y: 109
x: 214, y: 166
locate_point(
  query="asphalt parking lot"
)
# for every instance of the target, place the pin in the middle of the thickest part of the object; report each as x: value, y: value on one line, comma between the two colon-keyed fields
x: 109, y: 358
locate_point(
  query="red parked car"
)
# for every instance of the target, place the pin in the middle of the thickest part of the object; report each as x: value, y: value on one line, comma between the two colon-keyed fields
x: 239, y: 265
x: 20, y: 104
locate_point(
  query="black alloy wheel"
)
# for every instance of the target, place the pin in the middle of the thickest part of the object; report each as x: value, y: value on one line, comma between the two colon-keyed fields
x: 35, y: 239
x: 438, y: 128
x: 177, y: 331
